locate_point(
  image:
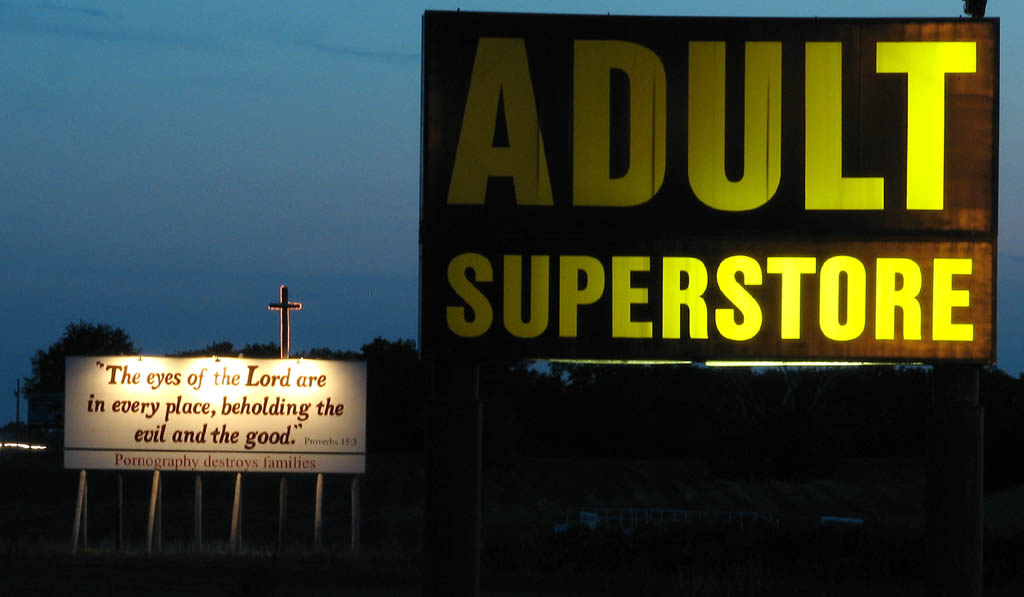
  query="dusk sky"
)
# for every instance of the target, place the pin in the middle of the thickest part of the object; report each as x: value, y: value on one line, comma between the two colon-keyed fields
x: 165, y: 166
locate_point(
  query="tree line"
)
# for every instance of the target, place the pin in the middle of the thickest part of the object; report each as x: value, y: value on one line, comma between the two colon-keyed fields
x: 778, y: 422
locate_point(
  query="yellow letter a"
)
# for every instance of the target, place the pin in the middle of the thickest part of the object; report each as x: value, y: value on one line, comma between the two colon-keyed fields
x: 500, y: 70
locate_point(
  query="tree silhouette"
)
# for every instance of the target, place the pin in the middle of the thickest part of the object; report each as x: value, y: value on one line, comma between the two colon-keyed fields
x: 398, y: 383
x: 224, y: 348
x: 79, y: 339
x: 214, y: 349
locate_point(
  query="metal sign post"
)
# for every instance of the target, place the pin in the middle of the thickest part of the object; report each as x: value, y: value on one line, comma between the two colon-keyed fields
x: 956, y: 488
x: 451, y: 541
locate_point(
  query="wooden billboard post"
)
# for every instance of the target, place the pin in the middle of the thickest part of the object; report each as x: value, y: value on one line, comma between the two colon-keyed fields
x: 956, y: 486
x: 282, y: 513
x: 355, y: 514
x: 158, y: 530
x: 451, y: 523
x: 80, y: 512
x: 235, y: 539
x: 197, y: 515
x: 152, y: 524
x: 318, y: 513
x: 120, y: 512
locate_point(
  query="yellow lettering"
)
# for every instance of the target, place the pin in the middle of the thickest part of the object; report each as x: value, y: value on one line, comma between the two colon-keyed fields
x: 824, y: 184
x: 512, y: 309
x: 762, y: 130
x: 926, y: 64
x: 830, y: 298
x: 625, y: 295
x: 483, y: 315
x: 673, y: 296
x: 725, y: 319
x: 592, y: 182
x: 888, y: 297
x: 571, y: 295
x: 500, y: 71
x: 791, y: 268
x: 945, y: 298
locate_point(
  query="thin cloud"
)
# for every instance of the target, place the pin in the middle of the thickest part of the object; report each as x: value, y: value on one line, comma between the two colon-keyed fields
x: 77, y: 22
x: 60, y: 8
x: 358, y: 52
x: 82, y: 10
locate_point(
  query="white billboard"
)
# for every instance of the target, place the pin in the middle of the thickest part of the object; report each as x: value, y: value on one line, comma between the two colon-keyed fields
x: 215, y: 414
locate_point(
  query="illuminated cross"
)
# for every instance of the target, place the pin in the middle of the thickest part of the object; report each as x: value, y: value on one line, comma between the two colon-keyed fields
x: 286, y: 327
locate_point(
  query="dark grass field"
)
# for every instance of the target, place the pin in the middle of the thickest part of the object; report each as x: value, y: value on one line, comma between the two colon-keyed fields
x: 523, y: 500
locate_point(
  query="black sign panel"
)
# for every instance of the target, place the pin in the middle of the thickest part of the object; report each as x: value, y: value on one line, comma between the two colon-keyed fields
x: 694, y: 189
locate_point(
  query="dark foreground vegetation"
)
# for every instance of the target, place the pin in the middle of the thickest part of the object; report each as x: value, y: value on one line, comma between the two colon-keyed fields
x: 798, y: 444
x: 792, y: 554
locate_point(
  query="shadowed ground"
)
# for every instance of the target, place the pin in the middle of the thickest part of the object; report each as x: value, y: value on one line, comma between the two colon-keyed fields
x: 523, y: 501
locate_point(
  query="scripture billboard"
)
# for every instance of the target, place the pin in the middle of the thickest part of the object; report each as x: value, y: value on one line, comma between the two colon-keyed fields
x: 613, y: 187
x: 215, y: 414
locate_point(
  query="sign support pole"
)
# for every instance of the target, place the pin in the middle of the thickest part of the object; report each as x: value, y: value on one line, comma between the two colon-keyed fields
x: 318, y: 513
x: 451, y: 538
x: 956, y: 486
x: 85, y: 516
x: 236, y: 516
x: 153, y: 495
x: 120, y: 512
x: 355, y: 514
x: 197, y: 539
x: 282, y: 512
x: 79, y: 511
x: 158, y: 531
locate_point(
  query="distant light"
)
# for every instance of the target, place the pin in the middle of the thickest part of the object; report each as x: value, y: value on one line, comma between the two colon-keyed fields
x: 18, y: 446
x: 801, y: 363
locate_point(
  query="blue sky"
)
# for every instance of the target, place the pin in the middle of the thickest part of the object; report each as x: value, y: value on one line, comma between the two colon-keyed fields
x: 164, y: 166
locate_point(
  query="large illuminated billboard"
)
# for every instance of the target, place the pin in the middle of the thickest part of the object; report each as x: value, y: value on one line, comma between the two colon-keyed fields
x: 611, y: 187
x: 215, y: 414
